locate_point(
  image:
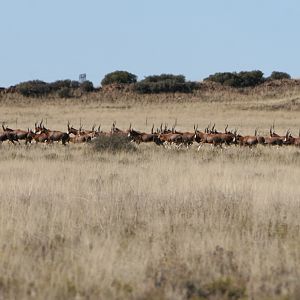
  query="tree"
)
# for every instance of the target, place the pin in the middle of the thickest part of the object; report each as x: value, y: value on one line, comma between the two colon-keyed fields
x: 87, y: 86
x: 122, y: 77
x: 279, y: 75
x: 164, y: 83
x: 238, y: 80
x: 33, y: 88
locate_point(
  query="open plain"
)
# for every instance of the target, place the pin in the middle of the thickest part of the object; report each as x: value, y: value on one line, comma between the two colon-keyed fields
x: 154, y: 223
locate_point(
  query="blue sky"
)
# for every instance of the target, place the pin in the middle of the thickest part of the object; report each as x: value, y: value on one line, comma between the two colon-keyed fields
x: 59, y: 39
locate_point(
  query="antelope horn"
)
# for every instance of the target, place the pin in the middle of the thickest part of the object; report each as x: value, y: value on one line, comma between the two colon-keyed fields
x: 226, y: 128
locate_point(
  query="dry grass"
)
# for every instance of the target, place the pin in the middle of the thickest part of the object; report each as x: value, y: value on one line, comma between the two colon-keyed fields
x: 155, y: 223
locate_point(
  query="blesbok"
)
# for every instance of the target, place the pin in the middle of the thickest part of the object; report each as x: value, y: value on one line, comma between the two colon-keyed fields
x: 84, y: 138
x: 274, y: 139
x: 290, y: 140
x: 143, y: 137
x: 227, y: 137
x: 8, y: 136
x: 55, y: 136
x: 19, y: 134
x: 208, y: 136
x: 175, y: 137
x: 37, y: 137
x: 117, y: 131
x: 251, y: 140
x: 168, y: 139
x: 78, y: 135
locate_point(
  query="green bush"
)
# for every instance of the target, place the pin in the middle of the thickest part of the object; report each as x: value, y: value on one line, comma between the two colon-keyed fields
x: 65, y: 92
x: 60, y: 84
x: 165, y: 77
x: 251, y: 78
x: 238, y: 80
x: 164, y: 83
x: 225, y: 78
x: 113, y: 143
x: 74, y: 84
x: 33, y: 88
x: 279, y: 75
x: 87, y: 86
x: 122, y: 77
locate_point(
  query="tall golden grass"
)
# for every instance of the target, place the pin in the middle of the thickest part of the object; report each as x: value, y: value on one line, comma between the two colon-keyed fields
x: 154, y: 223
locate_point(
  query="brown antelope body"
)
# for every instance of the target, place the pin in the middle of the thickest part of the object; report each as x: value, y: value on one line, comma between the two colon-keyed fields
x: 19, y: 134
x: 56, y: 136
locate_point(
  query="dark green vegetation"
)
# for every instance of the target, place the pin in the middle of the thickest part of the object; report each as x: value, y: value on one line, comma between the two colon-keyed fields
x: 165, y: 83
x: 63, y: 88
x: 154, y: 84
x: 113, y: 144
x: 122, y: 77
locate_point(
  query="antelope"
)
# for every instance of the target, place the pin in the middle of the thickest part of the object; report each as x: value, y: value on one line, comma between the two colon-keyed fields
x: 38, y: 137
x: 290, y: 140
x: 10, y: 136
x: 20, y: 134
x: 79, y: 136
x: 170, y: 138
x: 117, y: 131
x: 142, y: 137
x: 56, y: 136
x: 208, y: 137
x: 274, y: 139
x: 228, y: 137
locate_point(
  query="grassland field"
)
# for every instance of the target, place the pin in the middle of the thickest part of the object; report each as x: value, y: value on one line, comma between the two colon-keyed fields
x: 155, y: 223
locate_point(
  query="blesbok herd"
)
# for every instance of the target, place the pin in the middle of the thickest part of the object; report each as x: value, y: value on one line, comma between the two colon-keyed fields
x: 161, y: 136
